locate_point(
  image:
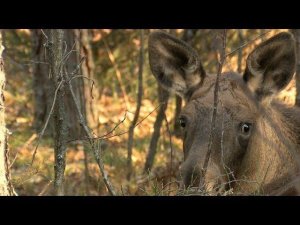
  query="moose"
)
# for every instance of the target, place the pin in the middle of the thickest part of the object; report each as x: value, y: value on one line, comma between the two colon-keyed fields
x: 255, y: 146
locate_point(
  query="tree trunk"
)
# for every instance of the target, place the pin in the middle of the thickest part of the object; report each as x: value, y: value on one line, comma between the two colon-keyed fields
x: 87, y: 68
x: 163, y: 99
x: 296, y: 33
x: 177, y: 130
x: 138, y: 106
x: 89, y: 93
x: 78, y: 62
x: 56, y: 61
x: 240, y: 52
x: 5, y: 188
x: 41, y: 82
x: 72, y: 68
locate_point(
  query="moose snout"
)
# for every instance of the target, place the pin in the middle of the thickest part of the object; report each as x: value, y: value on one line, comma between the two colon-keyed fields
x: 194, y: 178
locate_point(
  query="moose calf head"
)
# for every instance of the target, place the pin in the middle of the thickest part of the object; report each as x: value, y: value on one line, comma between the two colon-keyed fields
x: 247, y: 141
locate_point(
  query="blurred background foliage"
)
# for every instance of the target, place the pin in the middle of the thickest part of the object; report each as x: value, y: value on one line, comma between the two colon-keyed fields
x: 115, y: 55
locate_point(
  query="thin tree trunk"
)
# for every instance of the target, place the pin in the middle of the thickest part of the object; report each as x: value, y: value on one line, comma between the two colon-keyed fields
x: 88, y: 68
x: 178, y: 103
x: 86, y: 172
x: 118, y: 73
x: 78, y: 61
x: 240, y: 52
x: 41, y: 84
x: 90, y: 91
x: 4, y: 168
x: 163, y: 98
x: 188, y: 36
x: 71, y: 67
x: 296, y: 33
x: 138, y: 106
x: 55, y: 55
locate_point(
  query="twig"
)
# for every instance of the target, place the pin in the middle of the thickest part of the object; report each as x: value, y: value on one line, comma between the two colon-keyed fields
x: 247, y: 43
x: 46, y: 123
x: 103, y: 137
x: 78, y: 66
x: 27, y: 143
x: 98, y: 157
x: 44, y: 34
x: 92, y: 142
x: 213, y: 120
x: 171, y: 147
x: 240, y: 53
x: 65, y: 56
x: 115, y: 127
x: 45, y: 188
x: 170, y: 141
x: 85, y: 77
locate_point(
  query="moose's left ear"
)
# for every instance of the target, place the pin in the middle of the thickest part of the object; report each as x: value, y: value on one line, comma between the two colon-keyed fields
x: 270, y: 67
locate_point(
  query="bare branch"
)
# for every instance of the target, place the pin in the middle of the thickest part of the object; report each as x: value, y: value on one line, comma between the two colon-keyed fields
x: 46, y: 123
x: 44, y: 34
x: 115, y: 127
x: 103, y: 137
x: 27, y: 143
x: 45, y: 188
x: 85, y: 77
x: 216, y: 99
x: 247, y: 43
x: 97, y: 155
x: 171, y: 148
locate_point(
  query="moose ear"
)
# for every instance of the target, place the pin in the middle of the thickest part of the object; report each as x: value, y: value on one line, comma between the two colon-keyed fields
x: 175, y: 64
x: 270, y: 67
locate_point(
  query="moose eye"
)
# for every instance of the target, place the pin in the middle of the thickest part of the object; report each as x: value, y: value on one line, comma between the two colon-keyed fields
x: 245, y: 128
x: 182, y: 122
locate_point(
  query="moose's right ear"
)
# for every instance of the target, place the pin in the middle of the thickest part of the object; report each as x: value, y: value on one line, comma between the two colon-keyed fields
x: 175, y: 64
x: 270, y: 67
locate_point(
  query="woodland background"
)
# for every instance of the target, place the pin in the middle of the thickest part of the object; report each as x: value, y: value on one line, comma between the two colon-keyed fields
x: 126, y: 138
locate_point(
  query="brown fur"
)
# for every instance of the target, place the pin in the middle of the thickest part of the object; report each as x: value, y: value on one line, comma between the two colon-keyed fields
x: 261, y: 159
